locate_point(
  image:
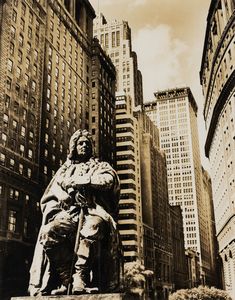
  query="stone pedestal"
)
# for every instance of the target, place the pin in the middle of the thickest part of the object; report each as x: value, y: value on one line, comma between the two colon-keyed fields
x: 113, y: 296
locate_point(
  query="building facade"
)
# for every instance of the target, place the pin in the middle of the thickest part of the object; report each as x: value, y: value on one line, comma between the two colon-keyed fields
x: 175, y: 113
x: 179, y: 268
x: 155, y: 207
x: 193, y: 268
x: 115, y: 39
x: 218, y: 83
x: 213, y: 266
x: 128, y: 169
x: 102, y: 123
x: 45, y: 77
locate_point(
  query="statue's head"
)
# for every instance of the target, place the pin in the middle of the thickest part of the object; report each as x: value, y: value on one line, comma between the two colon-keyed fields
x: 80, y: 146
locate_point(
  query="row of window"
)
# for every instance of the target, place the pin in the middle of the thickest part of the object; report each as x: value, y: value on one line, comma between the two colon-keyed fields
x: 11, y: 163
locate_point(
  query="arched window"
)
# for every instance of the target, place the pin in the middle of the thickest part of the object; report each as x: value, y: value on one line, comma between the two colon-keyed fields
x: 225, y: 258
x: 230, y: 254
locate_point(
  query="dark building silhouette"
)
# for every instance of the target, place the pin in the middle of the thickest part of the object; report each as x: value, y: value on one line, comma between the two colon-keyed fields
x: 45, y: 78
x: 179, y: 272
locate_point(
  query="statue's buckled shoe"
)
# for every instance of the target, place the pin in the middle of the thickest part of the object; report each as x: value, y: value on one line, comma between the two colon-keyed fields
x: 62, y: 290
x: 78, y: 290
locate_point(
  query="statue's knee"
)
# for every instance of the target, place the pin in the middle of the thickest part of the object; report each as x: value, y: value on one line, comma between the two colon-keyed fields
x: 93, y: 227
x: 48, y: 236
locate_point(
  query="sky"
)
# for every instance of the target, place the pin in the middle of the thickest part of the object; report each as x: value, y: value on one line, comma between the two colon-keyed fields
x: 168, y: 37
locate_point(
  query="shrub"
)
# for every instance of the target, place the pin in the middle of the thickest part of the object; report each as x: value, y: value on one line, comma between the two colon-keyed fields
x: 200, y: 293
x: 135, y: 277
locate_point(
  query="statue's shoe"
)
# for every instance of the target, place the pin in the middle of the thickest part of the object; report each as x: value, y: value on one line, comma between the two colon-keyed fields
x: 62, y: 290
x: 78, y: 290
x: 93, y: 290
x: 82, y: 290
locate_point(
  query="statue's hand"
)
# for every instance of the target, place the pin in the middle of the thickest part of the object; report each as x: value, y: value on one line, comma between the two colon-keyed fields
x: 66, y: 202
x: 102, y: 181
x: 77, y: 182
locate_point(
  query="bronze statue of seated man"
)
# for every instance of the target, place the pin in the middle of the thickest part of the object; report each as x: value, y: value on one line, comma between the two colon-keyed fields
x: 78, y: 248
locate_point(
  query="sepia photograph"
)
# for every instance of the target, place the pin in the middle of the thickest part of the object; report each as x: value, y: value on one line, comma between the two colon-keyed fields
x: 117, y: 153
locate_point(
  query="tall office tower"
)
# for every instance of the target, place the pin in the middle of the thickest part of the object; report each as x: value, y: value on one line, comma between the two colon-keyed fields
x: 155, y: 205
x: 45, y: 65
x: 175, y: 113
x: 103, y: 104
x: 128, y: 169
x: 218, y: 83
x: 115, y: 39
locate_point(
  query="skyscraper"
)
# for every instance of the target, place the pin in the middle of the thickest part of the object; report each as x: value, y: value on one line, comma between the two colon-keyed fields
x: 45, y: 72
x: 128, y: 169
x: 115, y: 39
x: 218, y: 83
x: 175, y: 114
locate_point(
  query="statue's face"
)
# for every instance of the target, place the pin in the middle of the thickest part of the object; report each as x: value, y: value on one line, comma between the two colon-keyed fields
x: 84, y: 148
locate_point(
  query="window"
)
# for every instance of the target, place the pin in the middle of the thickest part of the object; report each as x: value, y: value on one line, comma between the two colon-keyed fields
x: 33, y: 86
x: 48, y: 95
x: 23, y: 9
x: 13, y: 31
x: 14, y: 124
x: 2, y: 158
x: 48, y: 107
x: 29, y: 173
x: 46, y: 138
x: 21, y: 149
x: 36, y: 54
x: 5, y: 118
x: 22, y: 131
x: 12, y: 47
x: 26, y: 77
x: 25, y: 227
x: 37, y: 25
x: 18, y: 72
x: 27, y: 63
x: 14, y: 15
x: 35, y: 70
x: 21, y: 169
x: 56, y: 72
x: 29, y: 32
x: 12, y: 163
x: 8, y: 83
x: 28, y: 47
x: 30, y: 17
x: 9, y: 65
x: 21, y: 40
x: 30, y: 154
x: 12, y: 217
x: 45, y: 170
x: 4, y: 138
x: 20, y: 55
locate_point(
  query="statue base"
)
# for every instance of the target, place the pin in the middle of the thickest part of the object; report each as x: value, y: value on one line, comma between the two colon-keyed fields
x: 113, y: 296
